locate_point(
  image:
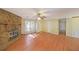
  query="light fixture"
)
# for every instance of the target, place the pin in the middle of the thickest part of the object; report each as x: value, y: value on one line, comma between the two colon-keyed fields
x: 38, y: 18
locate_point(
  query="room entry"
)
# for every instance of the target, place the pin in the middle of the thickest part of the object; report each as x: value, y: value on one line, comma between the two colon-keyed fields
x: 62, y: 26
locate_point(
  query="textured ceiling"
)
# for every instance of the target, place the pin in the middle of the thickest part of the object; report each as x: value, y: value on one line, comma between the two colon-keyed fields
x: 50, y: 13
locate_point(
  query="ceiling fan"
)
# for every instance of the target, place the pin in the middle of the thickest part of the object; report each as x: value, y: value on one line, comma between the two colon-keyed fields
x: 41, y: 16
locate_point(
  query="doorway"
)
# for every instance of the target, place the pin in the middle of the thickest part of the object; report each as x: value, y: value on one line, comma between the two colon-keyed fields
x: 62, y: 26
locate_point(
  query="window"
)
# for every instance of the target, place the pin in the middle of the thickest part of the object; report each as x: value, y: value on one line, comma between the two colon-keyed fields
x: 30, y: 26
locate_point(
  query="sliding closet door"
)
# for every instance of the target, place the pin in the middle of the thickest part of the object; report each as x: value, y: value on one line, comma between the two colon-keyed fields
x: 73, y: 27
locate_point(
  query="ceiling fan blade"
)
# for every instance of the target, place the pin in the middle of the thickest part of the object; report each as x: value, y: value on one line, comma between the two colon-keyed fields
x: 40, y: 12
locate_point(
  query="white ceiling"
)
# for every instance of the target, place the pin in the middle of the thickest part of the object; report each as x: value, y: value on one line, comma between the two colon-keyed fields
x: 30, y: 13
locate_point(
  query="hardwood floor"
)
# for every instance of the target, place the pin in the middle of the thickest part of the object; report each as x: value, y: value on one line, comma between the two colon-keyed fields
x: 43, y: 41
